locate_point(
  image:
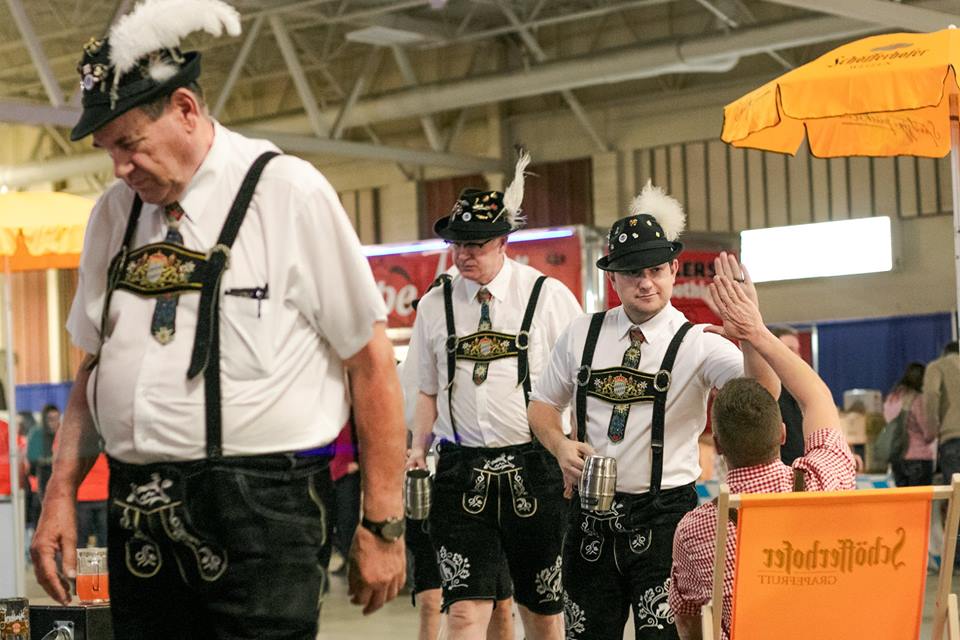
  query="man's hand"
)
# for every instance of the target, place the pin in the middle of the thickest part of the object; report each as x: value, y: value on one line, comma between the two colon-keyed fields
x: 416, y: 458
x: 56, y: 533
x: 726, y: 265
x: 376, y: 571
x: 570, y: 455
x: 741, y: 317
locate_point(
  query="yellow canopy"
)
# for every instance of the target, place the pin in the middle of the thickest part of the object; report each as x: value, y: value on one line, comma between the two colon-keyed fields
x: 42, y: 230
x: 885, y: 95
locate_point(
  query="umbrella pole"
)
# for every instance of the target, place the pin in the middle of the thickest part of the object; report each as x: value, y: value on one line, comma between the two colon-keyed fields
x: 955, y: 182
x: 940, y: 615
x: 17, y: 522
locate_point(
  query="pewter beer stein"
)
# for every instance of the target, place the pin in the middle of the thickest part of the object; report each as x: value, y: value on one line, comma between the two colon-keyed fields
x: 417, y: 494
x: 598, y: 483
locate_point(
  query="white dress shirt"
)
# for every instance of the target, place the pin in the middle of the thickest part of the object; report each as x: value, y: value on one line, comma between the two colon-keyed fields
x: 492, y: 414
x: 704, y: 361
x: 282, y: 374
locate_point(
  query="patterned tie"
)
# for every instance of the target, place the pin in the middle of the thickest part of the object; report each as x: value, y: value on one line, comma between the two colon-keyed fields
x: 480, y: 368
x: 631, y: 359
x: 163, y: 325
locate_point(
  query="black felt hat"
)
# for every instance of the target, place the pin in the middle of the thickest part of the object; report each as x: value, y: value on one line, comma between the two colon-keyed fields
x: 140, y: 60
x: 648, y: 236
x: 481, y: 215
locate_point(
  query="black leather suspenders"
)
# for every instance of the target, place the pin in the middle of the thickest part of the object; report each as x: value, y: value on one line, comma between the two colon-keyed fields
x: 206, y: 346
x: 660, y: 382
x: 509, y: 346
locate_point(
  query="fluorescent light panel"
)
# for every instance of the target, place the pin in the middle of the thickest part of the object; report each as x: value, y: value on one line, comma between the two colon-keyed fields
x: 842, y: 247
x: 439, y: 245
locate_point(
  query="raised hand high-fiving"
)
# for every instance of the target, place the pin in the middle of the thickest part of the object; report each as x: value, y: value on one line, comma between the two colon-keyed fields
x: 740, y: 314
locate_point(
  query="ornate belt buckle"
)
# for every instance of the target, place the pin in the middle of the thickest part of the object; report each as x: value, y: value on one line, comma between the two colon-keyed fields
x: 583, y: 375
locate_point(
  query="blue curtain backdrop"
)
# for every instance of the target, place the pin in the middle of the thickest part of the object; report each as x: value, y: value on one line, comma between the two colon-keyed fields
x: 33, y: 397
x: 872, y: 354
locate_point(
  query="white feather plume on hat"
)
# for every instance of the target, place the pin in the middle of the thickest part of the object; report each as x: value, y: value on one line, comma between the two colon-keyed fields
x: 668, y: 212
x: 513, y: 196
x: 161, y: 24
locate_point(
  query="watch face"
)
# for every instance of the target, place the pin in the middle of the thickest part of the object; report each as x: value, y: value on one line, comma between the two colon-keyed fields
x: 392, y: 529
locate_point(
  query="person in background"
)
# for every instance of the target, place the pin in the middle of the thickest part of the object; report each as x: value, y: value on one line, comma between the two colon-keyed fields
x: 792, y: 448
x: 915, y: 467
x: 425, y: 573
x: 941, y: 400
x: 345, y: 473
x: 92, y: 505
x: 40, y: 447
x: 748, y: 431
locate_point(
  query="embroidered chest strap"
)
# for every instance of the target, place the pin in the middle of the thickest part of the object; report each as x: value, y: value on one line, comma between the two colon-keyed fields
x: 206, y: 345
x: 618, y: 382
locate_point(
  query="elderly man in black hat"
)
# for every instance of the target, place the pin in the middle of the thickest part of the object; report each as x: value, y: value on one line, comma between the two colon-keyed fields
x: 484, y: 337
x: 218, y: 337
x: 639, y: 376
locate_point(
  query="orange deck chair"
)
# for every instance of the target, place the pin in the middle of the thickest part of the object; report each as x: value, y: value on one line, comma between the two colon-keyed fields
x: 833, y: 565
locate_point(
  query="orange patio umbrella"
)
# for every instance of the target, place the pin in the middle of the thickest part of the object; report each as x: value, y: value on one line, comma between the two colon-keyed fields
x: 37, y: 231
x: 886, y: 95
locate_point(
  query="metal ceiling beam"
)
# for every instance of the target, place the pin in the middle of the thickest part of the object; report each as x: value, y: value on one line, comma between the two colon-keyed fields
x: 33, y: 113
x: 317, y: 122
x: 39, y: 58
x: 24, y: 175
x: 359, y: 86
x: 429, y: 127
x: 349, y: 149
x: 540, y: 56
x: 890, y: 14
x: 238, y: 65
x: 714, y: 53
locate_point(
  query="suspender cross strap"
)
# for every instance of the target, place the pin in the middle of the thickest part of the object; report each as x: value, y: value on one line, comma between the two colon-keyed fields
x: 661, y: 385
x: 660, y: 410
x: 522, y: 343
x: 115, y: 272
x: 206, y: 344
x: 583, y: 374
x: 523, y: 339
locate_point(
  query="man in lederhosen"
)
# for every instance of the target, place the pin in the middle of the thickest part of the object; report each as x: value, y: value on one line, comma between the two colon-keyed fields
x: 639, y: 376
x: 484, y: 337
x: 217, y: 338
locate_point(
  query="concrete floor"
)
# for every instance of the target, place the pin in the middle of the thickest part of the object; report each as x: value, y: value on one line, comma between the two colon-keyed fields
x: 398, y: 619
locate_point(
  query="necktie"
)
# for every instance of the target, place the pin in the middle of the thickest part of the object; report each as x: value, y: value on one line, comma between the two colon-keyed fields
x: 631, y: 359
x: 480, y: 368
x: 163, y: 324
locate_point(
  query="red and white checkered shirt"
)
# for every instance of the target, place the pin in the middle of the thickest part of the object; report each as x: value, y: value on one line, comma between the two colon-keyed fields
x: 829, y: 466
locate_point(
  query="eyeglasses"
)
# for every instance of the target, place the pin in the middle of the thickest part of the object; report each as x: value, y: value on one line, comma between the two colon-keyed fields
x: 467, y: 245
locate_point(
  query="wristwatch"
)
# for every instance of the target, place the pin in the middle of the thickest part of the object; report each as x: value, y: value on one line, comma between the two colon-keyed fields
x: 389, y: 530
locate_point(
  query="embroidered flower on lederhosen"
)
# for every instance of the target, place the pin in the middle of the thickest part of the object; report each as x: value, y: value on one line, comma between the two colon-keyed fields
x: 640, y: 540
x: 454, y: 569
x: 574, y: 619
x: 549, y: 583
x: 653, y: 610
